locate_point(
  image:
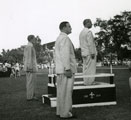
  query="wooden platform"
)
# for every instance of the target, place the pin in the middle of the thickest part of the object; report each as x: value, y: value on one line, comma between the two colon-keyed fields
x: 83, y: 96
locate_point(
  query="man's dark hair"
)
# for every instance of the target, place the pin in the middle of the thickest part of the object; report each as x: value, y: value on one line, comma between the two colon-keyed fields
x: 62, y: 25
x: 30, y: 37
x: 86, y: 21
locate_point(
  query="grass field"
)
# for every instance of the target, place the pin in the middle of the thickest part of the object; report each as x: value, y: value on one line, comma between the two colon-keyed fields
x: 13, y: 104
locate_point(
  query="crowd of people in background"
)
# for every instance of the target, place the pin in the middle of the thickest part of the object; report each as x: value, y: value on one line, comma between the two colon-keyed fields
x: 8, y: 69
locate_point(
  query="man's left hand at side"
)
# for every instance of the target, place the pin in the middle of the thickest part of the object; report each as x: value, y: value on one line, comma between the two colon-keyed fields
x: 68, y: 73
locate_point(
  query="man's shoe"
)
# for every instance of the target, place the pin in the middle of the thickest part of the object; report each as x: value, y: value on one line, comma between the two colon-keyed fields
x: 35, y: 98
x: 95, y: 83
x: 73, y: 116
x: 29, y: 99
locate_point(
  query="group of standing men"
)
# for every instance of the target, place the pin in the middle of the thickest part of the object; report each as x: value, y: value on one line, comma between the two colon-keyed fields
x: 65, y: 63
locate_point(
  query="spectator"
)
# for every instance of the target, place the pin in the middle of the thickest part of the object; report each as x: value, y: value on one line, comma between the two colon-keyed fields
x: 30, y: 66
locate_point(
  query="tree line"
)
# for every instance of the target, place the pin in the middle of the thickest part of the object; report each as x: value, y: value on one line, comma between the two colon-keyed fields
x: 113, y: 37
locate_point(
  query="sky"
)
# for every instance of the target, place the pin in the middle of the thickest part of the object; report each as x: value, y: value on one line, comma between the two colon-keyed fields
x: 20, y: 18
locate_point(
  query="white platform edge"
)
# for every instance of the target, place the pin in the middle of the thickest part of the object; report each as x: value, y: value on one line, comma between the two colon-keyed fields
x: 96, y: 75
x: 80, y: 75
x: 53, y: 103
x: 51, y: 75
x: 89, y: 87
x: 95, y: 104
x: 94, y: 86
x: 53, y: 100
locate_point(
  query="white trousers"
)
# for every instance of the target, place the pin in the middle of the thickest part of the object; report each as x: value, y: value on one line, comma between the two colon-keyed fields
x: 64, y: 95
x: 30, y: 84
x: 89, y: 68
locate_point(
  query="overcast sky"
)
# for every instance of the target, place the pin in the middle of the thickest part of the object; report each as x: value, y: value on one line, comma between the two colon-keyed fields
x: 19, y: 18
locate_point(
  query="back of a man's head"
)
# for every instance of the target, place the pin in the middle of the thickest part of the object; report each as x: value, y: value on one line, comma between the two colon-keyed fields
x: 62, y: 25
x: 86, y: 21
x: 30, y: 37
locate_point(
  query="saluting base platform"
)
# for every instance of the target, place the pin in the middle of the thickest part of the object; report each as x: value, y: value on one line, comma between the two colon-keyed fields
x: 100, y: 94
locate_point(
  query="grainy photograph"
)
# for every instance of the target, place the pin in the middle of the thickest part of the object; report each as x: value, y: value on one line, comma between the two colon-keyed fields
x: 65, y: 59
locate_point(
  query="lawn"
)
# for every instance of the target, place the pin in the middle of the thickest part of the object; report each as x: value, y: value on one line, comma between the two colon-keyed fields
x: 13, y: 104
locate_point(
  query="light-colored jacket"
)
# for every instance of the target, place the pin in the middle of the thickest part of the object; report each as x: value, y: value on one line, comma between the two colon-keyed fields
x: 87, y: 43
x: 64, y: 54
x: 29, y: 58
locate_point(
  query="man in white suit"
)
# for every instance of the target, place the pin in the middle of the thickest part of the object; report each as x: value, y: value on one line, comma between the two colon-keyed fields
x: 88, y: 52
x: 65, y: 68
x: 30, y: 66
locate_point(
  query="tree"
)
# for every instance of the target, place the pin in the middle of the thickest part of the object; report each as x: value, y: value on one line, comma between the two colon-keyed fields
x: 12, y: 55
x: 113, y: 34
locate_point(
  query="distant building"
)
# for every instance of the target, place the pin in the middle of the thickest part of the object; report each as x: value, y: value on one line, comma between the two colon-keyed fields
x: 49, y: 45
